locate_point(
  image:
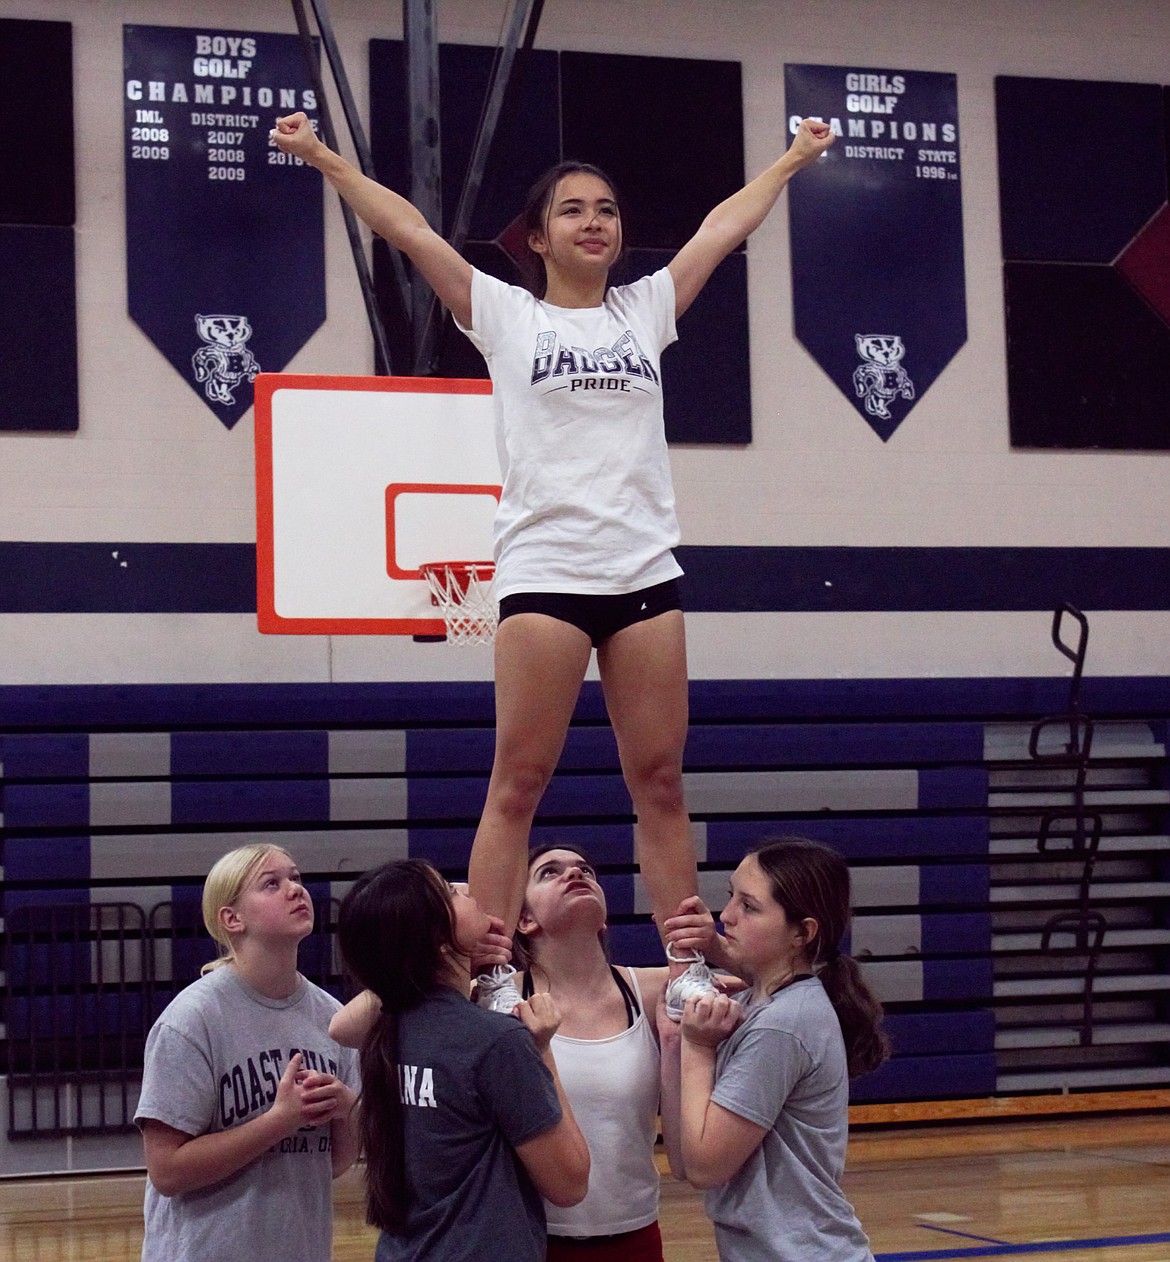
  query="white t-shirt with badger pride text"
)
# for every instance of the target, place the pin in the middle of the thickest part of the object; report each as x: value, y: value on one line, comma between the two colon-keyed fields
x: 588, y: 504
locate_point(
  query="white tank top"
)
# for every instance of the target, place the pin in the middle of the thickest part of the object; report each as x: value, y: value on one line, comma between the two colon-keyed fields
x: 612, y: 1085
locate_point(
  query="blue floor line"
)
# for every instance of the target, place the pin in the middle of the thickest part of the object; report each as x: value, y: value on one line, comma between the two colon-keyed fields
x: 1016, y: 1250
x: 966, y: 1235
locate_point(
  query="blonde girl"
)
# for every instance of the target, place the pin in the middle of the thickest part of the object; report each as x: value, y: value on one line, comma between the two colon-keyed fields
x: 247, y: 1105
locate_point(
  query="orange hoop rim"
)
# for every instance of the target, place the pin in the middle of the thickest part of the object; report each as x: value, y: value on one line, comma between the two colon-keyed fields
x: 461, y: 569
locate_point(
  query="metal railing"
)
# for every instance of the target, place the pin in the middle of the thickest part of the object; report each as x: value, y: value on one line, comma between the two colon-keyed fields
x: 85, y: 983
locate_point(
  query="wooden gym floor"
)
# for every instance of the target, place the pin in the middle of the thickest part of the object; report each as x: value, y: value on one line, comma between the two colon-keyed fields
x: 1075, y: 1189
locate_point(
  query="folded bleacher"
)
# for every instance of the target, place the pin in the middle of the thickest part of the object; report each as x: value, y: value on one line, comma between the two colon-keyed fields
x: 115, y: 802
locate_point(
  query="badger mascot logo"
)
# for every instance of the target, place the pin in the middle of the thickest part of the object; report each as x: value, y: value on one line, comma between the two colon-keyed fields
x: 225, y: 360
x: 881, y: 378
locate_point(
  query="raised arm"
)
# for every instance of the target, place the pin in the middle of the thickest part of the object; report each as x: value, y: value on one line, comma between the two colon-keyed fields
x: 388, y: 214
x: 734, y: 220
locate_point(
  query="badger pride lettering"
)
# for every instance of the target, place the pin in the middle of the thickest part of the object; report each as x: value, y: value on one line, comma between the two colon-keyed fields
x: 551, y: 358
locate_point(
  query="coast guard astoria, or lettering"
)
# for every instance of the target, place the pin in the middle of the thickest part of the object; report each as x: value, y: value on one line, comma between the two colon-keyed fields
x: 250, y: 1085
x: 606, y: 368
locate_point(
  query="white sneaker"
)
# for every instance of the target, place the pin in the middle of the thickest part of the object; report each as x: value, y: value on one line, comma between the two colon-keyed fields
x: 496, y: 990
x: 697, y: 980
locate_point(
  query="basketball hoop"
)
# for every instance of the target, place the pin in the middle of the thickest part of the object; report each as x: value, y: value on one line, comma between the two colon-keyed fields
x: 463, y: 592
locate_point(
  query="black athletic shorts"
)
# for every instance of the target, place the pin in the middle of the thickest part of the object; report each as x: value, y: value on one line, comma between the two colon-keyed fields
x: 598, y: 616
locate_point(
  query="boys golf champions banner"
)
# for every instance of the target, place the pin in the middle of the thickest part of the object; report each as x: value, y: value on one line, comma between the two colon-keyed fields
x: 224, y: 233
x: 877, y: 234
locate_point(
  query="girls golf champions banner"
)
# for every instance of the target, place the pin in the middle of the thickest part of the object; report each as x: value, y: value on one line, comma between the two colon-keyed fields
x: 877, y: 234
x: 224, y: 233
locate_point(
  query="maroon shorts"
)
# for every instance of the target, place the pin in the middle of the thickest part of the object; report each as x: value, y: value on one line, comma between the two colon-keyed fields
x: 643, y: 1245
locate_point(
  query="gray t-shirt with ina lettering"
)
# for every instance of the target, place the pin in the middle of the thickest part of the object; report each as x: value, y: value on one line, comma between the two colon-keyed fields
x: 784, y: 1068
x: 473, y: 1087
x: 213, y: 1061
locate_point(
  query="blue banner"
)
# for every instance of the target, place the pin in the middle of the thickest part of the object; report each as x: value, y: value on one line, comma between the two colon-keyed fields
x: 879, y: 296
x: 225, y: 255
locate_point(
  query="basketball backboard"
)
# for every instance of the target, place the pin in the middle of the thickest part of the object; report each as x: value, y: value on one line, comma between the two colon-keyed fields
x: 359, y: 481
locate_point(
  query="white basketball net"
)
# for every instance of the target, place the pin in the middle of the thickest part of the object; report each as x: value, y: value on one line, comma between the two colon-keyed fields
x: 464, y: 596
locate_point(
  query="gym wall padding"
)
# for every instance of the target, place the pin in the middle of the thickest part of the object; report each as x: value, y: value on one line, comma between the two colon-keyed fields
x: 601, y: 109
x: 38, y: 319
x: 1086, y: 252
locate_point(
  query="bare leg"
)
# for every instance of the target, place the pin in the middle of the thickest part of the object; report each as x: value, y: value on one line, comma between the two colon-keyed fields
x: 644, y: 675
x: 540, y: 663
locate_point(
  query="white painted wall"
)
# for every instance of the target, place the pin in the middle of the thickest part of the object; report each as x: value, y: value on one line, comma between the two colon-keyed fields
x: 151, y: 463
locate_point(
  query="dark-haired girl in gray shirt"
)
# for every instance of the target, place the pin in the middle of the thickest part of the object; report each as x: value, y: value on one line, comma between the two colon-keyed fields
x: 762, y: 1080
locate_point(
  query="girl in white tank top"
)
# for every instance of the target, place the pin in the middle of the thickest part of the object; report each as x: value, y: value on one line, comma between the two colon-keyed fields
x: 607, y: 1055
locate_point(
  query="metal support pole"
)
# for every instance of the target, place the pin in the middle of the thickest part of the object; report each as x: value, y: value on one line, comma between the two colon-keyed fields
x: 497, y: 90
x: 357, y: 132
x: 344, y: 92
x: 421, y: 38
x: 382, y: 360
x: 427, y: 330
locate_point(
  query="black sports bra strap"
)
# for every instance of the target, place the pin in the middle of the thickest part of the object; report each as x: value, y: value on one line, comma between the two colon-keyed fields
x: 628, y: 996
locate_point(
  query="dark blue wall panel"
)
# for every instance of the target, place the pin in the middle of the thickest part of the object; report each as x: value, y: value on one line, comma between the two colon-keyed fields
x: 36, y: 104
x: 249, y: 753
x: 261, y: 801
x: 1054, y: 205
x: 1085, y: 247
x: 46, y: 805
x: 38, y: 328
x: 119, y: 707
x: 932, y: 1033
x: 857, y: 838
x: 44, y: 756
x: 221, y: 578
x: 926, y: 1078
x: 47, y: 859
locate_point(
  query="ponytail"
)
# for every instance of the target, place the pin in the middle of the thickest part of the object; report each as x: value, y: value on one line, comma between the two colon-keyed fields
x: 381, y: 1126
x: 811, y: 882
x: 396, y: 932
x: 860, y: 1014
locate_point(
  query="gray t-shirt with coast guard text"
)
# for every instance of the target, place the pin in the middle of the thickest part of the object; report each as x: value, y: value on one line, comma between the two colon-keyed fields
x: 213, y: 1061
